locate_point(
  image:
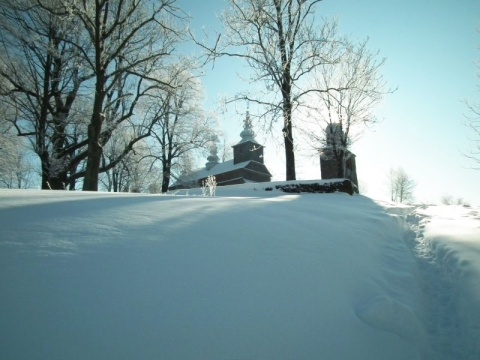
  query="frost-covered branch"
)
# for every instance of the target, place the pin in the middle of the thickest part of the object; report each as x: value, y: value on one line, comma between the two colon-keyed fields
x: 282, y: 45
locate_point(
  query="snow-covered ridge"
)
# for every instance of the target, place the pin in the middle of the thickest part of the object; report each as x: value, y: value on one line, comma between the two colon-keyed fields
x: 295, y: 186
x: 248, y: 274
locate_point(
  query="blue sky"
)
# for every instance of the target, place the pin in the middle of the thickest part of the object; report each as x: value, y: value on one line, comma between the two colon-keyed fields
x: 431, y: 48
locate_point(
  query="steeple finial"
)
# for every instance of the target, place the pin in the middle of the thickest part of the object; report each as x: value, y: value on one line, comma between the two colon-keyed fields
x: 247, y: 133
x: 247, y: 123
x: 213, y: 159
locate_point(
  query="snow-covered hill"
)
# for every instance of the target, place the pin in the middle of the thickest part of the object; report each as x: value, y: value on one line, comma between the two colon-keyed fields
x: 248, y: 274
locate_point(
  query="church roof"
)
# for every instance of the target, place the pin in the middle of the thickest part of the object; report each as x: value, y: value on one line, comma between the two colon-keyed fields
x: 217, y: 169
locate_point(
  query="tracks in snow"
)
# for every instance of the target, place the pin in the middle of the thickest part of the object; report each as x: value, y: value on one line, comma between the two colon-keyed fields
x: 438, y: 276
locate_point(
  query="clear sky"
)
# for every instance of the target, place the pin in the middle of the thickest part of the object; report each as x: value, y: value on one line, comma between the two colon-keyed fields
x: 431, y: 48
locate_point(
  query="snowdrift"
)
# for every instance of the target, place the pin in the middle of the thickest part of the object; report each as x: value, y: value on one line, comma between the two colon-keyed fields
x: 448, y: 251
x: 249, y: 274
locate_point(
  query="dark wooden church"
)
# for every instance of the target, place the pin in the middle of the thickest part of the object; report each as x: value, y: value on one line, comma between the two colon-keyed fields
x: 329, y: 166
x: 247, y: 164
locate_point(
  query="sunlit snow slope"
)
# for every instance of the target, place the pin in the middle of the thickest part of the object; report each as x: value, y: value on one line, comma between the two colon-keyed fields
x: 249, y: 274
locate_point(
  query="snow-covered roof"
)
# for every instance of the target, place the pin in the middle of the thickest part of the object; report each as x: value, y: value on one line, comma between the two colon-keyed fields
x: 217, y: 169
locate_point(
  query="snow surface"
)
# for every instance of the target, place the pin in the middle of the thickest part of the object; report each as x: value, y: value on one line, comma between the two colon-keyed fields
x: 249, y: 274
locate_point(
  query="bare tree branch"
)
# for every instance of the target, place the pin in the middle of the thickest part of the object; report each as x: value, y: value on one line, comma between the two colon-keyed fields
x: 401, y: 186
x: 349, y: 93
x: 279, y: 42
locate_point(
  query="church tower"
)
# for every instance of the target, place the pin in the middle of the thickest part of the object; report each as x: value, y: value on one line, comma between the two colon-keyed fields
x: 248, y: 148
x: 329, y: 164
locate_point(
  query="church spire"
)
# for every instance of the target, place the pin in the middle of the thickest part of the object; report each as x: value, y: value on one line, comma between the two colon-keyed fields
x: 213, y: 159
x: 247, y: 133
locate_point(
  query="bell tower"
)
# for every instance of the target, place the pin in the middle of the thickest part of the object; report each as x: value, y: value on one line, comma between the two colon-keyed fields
x: 248, y: 148
x: 329, y: 156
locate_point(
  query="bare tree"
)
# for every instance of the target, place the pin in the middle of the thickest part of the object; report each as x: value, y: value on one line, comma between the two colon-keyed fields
x: 401, y: 186
x: 185, y: 165
x: 127, y: 42
x: 41, y: 74
x: 225, y: 148
x: 180, y: 124
x: 7, y: 145
x: 279, y: 41
x: 130, y: 174
x: 343, y: 114
x: 65, y: 61
x: 116, y: 178
x: 15, y: 169
x: 448, y: 199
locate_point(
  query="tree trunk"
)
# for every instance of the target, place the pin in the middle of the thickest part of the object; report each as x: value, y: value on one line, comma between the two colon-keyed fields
x: 289, y: 154
x: 288, y: 136
x: 71, y: 181
x: 114, y: 185
x: 90, y: 182
x: 165, y: 177
x: 56, y: 183
x: 94, y: 158
x: 44, y: 165
x: 286, y: 88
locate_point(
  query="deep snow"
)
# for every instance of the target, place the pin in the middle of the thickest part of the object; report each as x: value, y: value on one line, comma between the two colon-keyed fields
x: 248, y: 274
